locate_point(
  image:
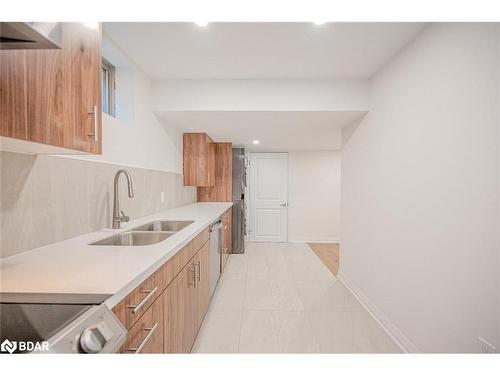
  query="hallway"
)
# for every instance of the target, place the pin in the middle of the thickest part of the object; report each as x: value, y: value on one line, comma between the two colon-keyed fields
x: 281, y: 298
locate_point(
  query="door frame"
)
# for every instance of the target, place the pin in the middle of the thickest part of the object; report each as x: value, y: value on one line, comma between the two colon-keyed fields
x: 248, y: 201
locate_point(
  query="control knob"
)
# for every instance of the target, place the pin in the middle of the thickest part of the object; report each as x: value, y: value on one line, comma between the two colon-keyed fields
x: 93, y: 339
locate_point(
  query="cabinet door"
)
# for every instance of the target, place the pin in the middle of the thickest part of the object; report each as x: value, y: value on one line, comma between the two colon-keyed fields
x: 202, y: 285
x: 53, y: 96
x: 180, y: 316
x: 13, y: 94
x: 81, y: 87
x: 198, y: 159
x: 186, y: 302
x: 222, y: 189
x: 146, y: 335
x: 226, y: 237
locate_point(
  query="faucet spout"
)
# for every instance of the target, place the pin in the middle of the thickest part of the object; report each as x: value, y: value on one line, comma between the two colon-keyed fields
x: 118, y: 215
x: 130, y: 187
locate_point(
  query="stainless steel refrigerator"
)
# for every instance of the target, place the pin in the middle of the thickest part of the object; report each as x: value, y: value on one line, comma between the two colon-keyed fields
x: 239, y: 206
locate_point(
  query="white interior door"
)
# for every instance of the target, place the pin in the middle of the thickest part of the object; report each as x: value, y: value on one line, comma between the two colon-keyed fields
x: 268, y: 197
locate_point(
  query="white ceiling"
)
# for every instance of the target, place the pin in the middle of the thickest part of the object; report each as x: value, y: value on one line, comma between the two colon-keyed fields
x: 260, y: 50
x: 276, y: 130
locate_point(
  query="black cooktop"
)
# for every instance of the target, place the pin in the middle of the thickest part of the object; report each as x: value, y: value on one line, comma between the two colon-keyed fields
x: 37, y: 317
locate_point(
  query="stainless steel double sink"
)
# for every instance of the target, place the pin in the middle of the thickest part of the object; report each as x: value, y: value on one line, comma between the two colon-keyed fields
x: 143, y: 235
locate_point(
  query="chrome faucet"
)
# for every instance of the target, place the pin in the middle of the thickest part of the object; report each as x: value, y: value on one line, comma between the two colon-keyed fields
x: 118, y: 215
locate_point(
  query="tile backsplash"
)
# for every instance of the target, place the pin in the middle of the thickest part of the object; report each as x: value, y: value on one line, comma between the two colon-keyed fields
x: 46, y: 199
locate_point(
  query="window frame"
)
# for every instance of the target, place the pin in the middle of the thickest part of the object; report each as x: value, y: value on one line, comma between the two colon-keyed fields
x: 108, y: 89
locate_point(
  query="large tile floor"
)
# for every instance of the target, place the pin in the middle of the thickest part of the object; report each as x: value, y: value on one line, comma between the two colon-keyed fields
x: 280, y: 298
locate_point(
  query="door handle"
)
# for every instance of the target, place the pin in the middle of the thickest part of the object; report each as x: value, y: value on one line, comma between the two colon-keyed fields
x: 284, y: 204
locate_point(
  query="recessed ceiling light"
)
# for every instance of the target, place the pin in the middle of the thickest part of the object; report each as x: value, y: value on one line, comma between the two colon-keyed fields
x: 201, y: 23
x: 256, y: 142
x: 319, y: 23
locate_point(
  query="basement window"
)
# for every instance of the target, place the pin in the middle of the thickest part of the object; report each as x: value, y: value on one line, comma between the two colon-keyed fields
x: 108, y: 88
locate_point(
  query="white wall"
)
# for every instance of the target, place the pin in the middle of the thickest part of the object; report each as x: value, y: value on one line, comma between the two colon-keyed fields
x: 260, y: 95
x: 419, y: 208
x: 314, y: 196
x: 498, y: 230
x: 136, y: 137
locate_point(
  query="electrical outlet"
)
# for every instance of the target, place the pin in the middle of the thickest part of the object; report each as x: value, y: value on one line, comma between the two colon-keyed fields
x: 162, y: 197
x: 485, y: 347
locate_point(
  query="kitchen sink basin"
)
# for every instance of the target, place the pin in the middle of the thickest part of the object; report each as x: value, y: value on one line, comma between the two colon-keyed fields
x: 163, y: 226
x: 133, y: 239
x: 147, y: 234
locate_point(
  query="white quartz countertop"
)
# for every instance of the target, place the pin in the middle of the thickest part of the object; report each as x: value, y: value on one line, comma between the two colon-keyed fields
x: 73, y: 266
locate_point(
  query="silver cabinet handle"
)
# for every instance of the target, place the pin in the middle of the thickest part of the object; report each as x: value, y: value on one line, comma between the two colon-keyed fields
x: 146, y: 339
x: 94, y: 123
x: 192, y: 269
x: 150, y: 293
x: 244, y: 223
x: 215, y: 226
x: 194, y: 276
x: 199, y: 270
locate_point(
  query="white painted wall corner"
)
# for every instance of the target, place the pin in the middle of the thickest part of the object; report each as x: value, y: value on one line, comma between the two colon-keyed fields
x: 403, y: 342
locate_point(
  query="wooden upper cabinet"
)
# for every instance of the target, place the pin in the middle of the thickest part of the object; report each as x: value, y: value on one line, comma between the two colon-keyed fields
x: 222, y: 189
x: 53, y: 96
x: 198, y: 159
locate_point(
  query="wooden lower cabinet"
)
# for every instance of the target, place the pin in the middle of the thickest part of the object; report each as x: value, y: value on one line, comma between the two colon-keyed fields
x: 164, y: 313
x: 227, y: 221
x: 186, y: 302
x: 146, y: 336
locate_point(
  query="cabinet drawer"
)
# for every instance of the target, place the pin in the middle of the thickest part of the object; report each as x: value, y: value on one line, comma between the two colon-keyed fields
x: 174, y: 265
x: 130, y: 309
x: 146, y: 336
x: 200, y: 240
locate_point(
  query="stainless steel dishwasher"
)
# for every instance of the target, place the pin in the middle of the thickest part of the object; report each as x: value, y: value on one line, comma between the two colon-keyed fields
x: 215, y: 253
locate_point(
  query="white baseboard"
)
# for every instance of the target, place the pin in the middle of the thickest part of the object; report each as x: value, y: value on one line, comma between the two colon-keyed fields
x: 315, y: 239
x: 394, y: 333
